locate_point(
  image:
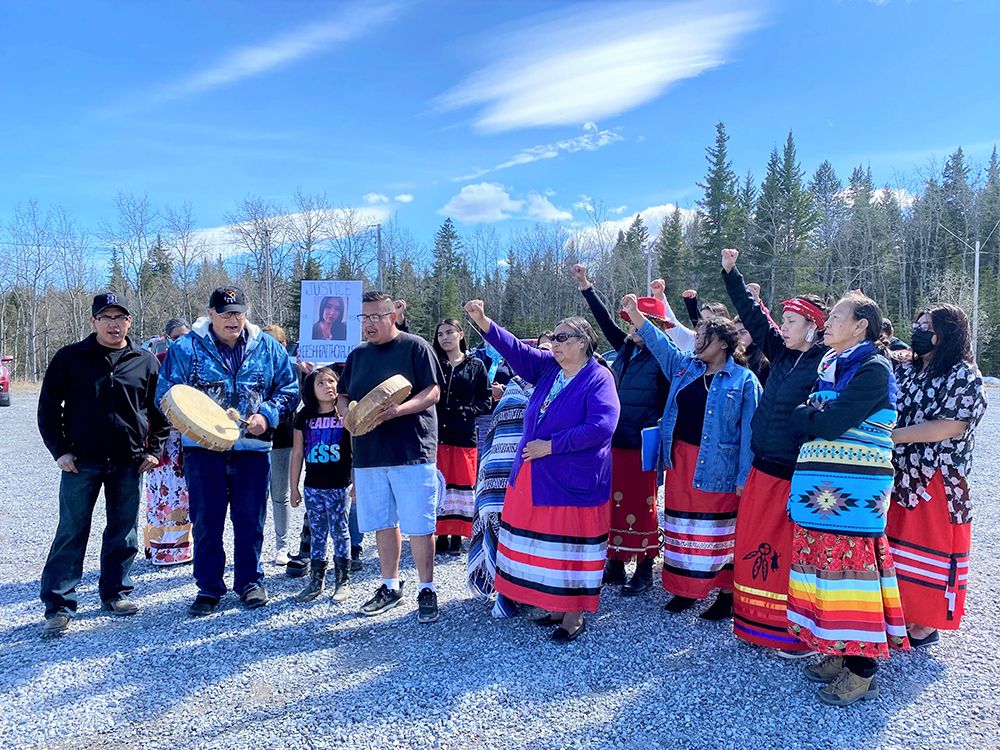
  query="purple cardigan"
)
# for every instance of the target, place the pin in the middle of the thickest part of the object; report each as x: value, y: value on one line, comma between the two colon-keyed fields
x: 579, y: 422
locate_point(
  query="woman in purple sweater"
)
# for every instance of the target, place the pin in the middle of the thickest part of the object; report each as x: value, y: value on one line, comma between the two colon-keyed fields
x: 556, y: 514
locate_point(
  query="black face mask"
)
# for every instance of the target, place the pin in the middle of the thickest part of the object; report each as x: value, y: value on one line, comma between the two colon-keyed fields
x: 921, y: 342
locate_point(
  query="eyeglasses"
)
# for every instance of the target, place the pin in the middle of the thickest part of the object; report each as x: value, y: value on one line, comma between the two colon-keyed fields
x: 232, y: 315
x: 922, y: 327
x: 113, y: 318
x: 373, y: 318
x: 562, y: 338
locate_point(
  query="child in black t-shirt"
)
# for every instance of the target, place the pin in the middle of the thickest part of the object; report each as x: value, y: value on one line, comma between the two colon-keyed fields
x: 321, y: 441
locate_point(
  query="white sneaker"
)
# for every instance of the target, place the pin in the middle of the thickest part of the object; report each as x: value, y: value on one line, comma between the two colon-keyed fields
x: 792, y: 655
x: 282, y: 557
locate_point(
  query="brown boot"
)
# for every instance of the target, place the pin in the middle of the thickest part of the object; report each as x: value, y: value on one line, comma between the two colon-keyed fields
x: 848, y: 688
x: 825, y: 670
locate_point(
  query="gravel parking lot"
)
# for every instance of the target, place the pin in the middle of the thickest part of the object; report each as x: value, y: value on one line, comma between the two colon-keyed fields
x: 318, y: 676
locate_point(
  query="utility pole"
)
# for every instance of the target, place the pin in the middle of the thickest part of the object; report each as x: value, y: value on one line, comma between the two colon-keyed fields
x: 268, y: 290
x: 380, y: 260
x: 975, y: 283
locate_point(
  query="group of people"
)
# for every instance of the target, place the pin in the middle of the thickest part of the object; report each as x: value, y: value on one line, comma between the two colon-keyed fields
x: 812, y: 478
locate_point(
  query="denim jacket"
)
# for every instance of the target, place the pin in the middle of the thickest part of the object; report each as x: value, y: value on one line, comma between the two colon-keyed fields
x: 724, y: 455
x: 265, y: 384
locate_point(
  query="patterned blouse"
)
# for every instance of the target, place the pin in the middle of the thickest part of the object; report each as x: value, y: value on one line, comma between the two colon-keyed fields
x: 957, y: 395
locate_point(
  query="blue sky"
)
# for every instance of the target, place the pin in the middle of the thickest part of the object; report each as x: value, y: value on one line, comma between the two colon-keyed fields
x: 497, y: 112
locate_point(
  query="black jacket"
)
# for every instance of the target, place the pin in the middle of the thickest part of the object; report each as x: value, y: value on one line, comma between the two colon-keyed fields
x: 98, y: 412
x: 791, y: 379
x: 642, y: 386
x: 465, y: 394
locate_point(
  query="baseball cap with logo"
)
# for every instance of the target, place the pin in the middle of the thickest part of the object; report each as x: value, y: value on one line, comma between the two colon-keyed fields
x: 228, y: 299
x: 105, y: 300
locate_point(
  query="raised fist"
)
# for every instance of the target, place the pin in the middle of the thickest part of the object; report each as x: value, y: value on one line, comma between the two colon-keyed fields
x: 754, y: 288
x: 475, y: 309
x: 630, y: 304
x: 690, y: 294
x: 658, y: 288
x: 579, y: 272
x: 729, y: 256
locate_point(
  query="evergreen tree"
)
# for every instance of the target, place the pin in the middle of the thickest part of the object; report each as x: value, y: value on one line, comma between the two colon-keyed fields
x: 717, y: 210
x: 449, y: 266
x: 671, y: 253
x: 116, y: 276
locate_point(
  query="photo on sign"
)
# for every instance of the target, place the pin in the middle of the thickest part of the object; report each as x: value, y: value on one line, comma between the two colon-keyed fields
x: 331, y: 319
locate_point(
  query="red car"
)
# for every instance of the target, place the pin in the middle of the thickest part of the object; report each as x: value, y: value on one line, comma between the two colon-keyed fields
x: 5, y: 380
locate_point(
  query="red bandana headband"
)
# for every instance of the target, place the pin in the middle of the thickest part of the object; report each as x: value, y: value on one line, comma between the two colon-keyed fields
x: 806, y: 309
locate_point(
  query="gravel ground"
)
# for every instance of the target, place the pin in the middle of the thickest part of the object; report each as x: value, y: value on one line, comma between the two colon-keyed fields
x: 318, y: 676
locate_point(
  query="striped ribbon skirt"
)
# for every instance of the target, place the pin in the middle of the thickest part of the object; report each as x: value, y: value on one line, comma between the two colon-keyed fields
x: 458, y: 465
x: 932, y: 559
x: 635, y: 528
x: 550, y: 556
x: 699, y: 530
x: 843, y: 597
x: 761, y: 564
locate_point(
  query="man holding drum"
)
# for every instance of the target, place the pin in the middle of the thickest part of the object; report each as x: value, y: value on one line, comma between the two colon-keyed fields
x: 97, y: 417
x: 395, y: 475
x: 240, y: 368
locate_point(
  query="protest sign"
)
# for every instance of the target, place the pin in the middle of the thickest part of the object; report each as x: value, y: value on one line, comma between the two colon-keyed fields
x: 328, y: 324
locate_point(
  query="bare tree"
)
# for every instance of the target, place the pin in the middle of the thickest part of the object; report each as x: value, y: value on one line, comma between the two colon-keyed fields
x: 132, y: 234
x: 188, y: 249
x: 30, y: 233
x: 261, y: 229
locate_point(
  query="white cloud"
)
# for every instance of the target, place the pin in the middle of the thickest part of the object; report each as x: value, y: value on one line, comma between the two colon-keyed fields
x: 903, y: 196
x: 591, y: 140
x: 652, y: 217
x: 486, y: 202
x: 591, y: 62
x: 404, y: 198
x: 308, y: 39
x: 618, y: 210
x: 491, y: 201
x: 372, y: 198
x: 219, y: 241
x: 540, y: 208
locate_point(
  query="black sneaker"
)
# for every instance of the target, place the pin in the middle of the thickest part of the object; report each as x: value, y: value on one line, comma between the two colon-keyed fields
x: 297, y: 566
x: 254, y: 597
x: 356, y: 563
x: 427, y: 603
x: 384, y: 600
x: 121, y: 607
x: 203, y: 605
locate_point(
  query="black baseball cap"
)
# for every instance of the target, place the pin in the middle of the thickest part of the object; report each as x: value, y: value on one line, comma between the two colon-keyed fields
x: 228, y: 299
x: 105, y: 300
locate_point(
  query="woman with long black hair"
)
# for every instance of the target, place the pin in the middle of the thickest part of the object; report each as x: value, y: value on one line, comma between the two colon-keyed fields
x: 941, y: 402
x: 465, y: 394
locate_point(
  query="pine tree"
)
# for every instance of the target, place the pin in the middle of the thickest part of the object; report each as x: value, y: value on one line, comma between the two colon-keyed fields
x: 717, y: 210
x: 671, y: 253
x: 448, y: 266
x: 116, y: 275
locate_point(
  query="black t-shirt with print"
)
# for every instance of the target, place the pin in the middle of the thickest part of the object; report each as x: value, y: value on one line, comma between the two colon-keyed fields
x: 326, y: 450
x: 411, y: 439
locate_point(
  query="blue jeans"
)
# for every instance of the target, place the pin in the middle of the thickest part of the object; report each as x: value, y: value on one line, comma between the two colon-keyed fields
x: 356, y: 536
x: 236, y: 481
x: 77, y: 498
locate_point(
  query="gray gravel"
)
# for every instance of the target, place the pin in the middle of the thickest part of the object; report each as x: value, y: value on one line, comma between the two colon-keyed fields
x: 317, y: 676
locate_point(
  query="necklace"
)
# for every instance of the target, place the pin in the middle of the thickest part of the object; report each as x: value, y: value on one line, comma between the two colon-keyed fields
x: 704, y: 379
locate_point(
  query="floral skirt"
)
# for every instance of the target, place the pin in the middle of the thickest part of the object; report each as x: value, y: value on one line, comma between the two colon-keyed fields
x: 932, y: 559
x: 762, y: 560
x: 550, y: 556
x: 635, y: 529
x: 168, y: 525
x: 843, y: 597
x: 699, y: 530
x: 458, y: 465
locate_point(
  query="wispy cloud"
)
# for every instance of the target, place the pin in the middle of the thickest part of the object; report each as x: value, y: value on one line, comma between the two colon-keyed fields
x: 308, y: 39
x: 373, y: 198
x: 606, y: 231
x: 403, y: 198
x: 488, y: 202
x: 592, y: 62
x: 591, y: 140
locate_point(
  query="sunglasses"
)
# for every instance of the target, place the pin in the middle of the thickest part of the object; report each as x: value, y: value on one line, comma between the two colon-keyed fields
x: 562, y: 338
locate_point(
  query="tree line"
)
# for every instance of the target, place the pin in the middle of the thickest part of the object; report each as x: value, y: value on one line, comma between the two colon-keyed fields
x: 905, y: 245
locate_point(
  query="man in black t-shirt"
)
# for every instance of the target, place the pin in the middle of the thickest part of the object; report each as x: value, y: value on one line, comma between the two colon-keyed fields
x: 395, y: 474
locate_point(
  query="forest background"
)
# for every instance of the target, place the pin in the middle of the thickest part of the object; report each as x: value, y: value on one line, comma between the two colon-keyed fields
x: 905, y: 245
